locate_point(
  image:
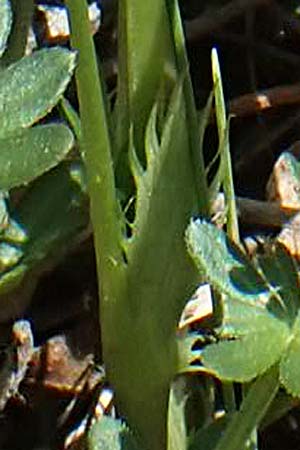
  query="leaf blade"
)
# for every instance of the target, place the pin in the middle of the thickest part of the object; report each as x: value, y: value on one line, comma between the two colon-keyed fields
x: 250, y: 354
x: 32, y: 152
x: 290, y: 364
x: 30, y: 88
x: 223, y: 263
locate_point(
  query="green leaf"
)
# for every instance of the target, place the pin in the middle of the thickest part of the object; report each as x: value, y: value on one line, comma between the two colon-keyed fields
x: 144, y: 56
x: 249, y: 354
x: 30, y: 88
x: 110, y: 434
x: 156, y: 244
x: 280, y: 272
x: 209, y: 434
x: 280, y: 406
x: 290, y: 364
x: 5, y: 23
x: 251, y: 412
x: 239, y: 317
x: 32, y: 152
x: 44, y: 232
x: 150, y: 288
x: 50, y: 230
x: 224, y: 265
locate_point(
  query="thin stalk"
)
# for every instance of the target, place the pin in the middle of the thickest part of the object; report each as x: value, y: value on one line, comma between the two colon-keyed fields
x: 229, y: 397
x: 253, y: 409
x: 72, y: 117
x: 145, y: 50
x: 232, y: 222
x: 96, y: 145
x: 195, y: 140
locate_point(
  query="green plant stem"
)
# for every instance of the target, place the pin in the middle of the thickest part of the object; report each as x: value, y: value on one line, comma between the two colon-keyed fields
x: 253, y: 409
x: 95, y: 136
x: 145, y: 52
x: 71, y: 115
x: 229, y: 397
x: 142, y: 300
x: 194, y: 135
x: 232, y: 222
x: 96, y: 145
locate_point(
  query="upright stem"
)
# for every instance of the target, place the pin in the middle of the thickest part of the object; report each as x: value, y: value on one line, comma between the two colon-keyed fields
x: 252, y: 411
x: 232, y: 222
x: 96, y: 145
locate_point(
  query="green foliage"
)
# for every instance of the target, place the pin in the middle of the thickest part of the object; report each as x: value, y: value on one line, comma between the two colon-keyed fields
x: 153, y: 137
x: 210, y: 434
x: 36, y: 232
x: 250, y: 353
x: 48, y: 226
x: 41, y: 232
x: 243, y: 423
x: 259, y: 328
x: 110, y: 434
x: 38, y: 150
x: 29, y: 89
x: 224, y: 173
x: 290, y: 362
x: 145, y: 275
x: 224, y: 265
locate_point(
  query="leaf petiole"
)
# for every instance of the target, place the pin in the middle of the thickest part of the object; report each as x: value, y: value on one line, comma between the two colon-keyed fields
x: 253, y: 409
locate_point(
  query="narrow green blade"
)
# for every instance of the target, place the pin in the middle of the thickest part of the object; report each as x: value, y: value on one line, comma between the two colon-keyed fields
x: 290, y: 364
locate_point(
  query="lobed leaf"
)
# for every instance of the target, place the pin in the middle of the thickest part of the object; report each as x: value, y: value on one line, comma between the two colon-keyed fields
x: 44, y: 231
x: 145, y: 180
x: 159, y: 273
x: 280, y: 272
x: 249, y: 355
x: 240, y: 317
x: 31, y: 87
x: 290, y: 363
x: 32, y: 152
x: 5, y: 24
x: 49, y: 229
x: 224, y: 265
